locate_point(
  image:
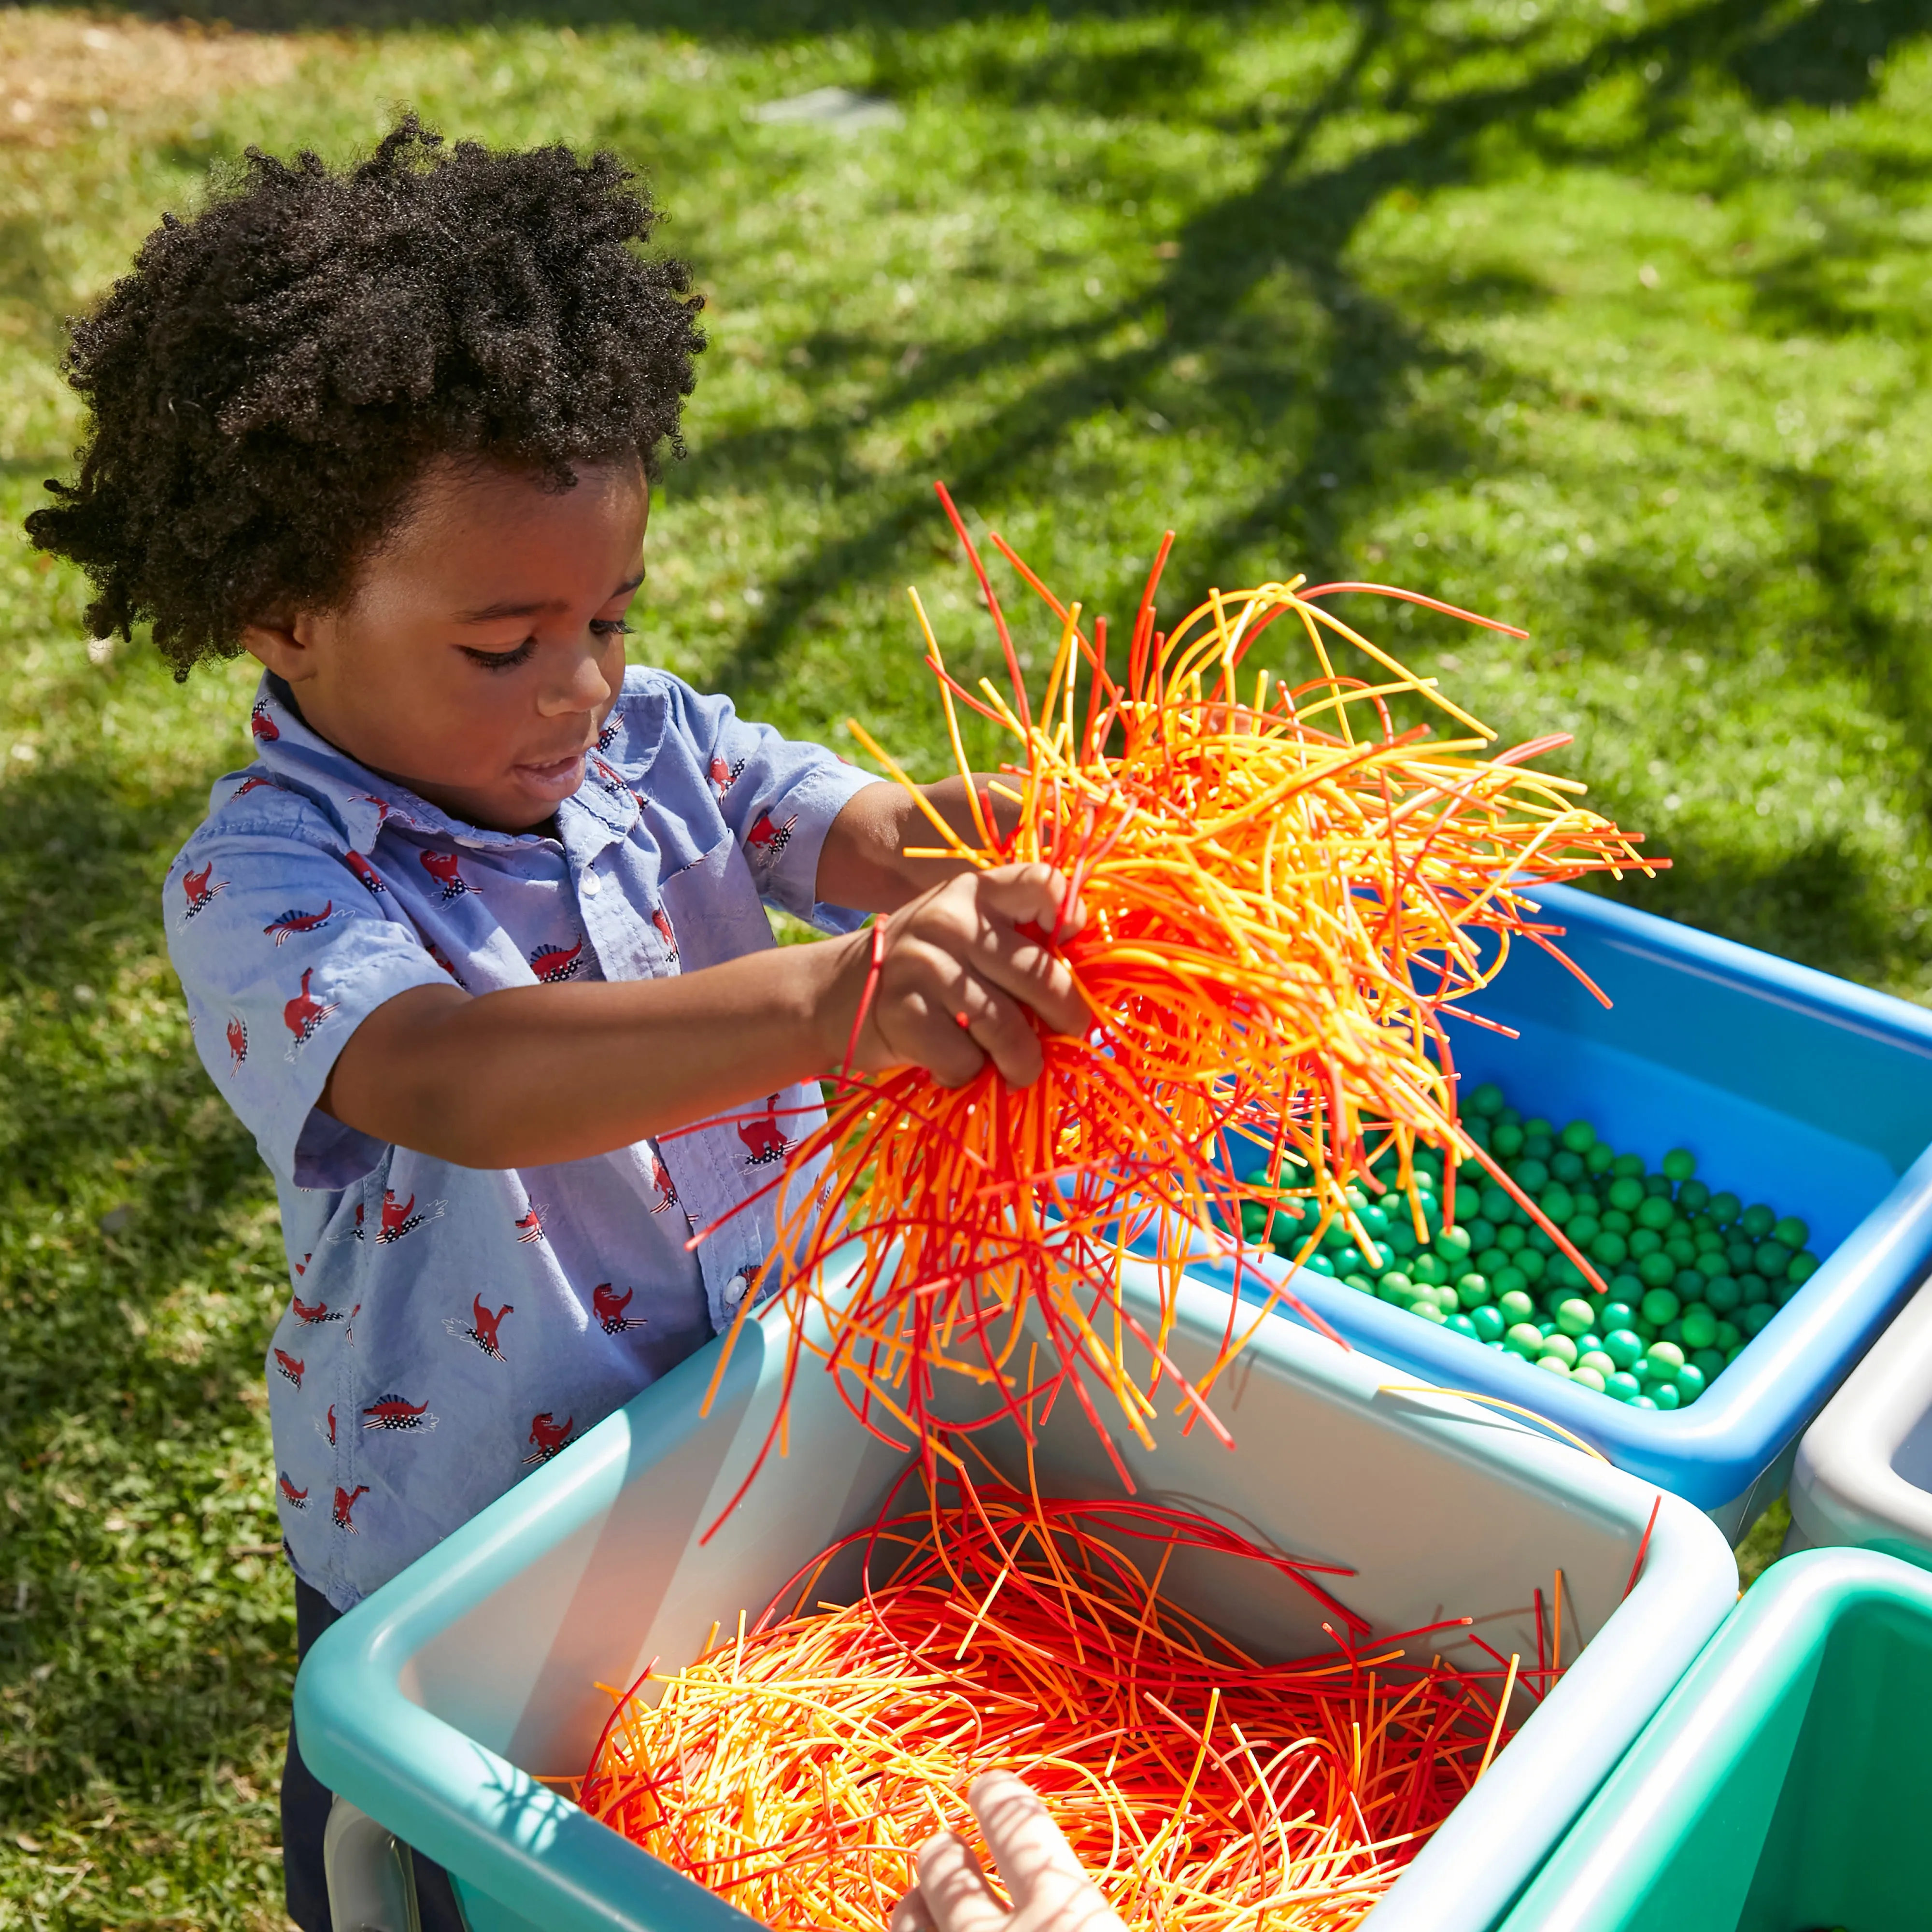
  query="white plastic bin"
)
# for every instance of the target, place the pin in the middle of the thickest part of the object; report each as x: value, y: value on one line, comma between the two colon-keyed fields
x: 1864, y: 1473
x: 433, y: 1704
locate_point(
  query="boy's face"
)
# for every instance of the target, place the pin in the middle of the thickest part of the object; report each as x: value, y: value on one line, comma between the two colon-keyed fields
x: 483, y: 646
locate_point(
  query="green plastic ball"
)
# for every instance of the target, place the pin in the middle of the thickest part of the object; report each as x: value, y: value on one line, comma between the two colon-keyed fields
x: 1641, y: 1401
x: 1610, y: 1249
x: 1524, y: 1338
x: 1725, y: 1208
x: 1576, y: 1316
x: 1792, y: 1231
x: 1430, y: 1268
x: 1729, y: 1336
x: 1506, y: 1140
x: 1516, y: 1307
x: 1616, y: 1313
x: 1462, y: 1325
x: 1689, y: 1383
x: 1693, y: 1197
x: 1488, y: 1323
x: 1595, y: 1358
x: 1531, y: 1176
x: 1579, y: 1137
x: 1700, y: 1327
x: 1624, y: 1386
x: 1757, y: 1220
x: 1486, y: 1101
x: 1319, y: 1263
x: 1628, y: 1167
x: 1664, y: 1395
x: 1655, y: 1211
x: 1588, y: 1377
x: 1679, y: 1164
x: 1772, y: 1258
x: 1753, y: 1288
x: 1554, y: 1365
x: 1428, y: 1310
x: 1722, y: 1293
x: 1562, y: 1346
x: 1623, y: 1348
x: 1397, y: 1287
x: 1656, y: 1272
x: 1709, y: 1363
x: 1626, y: 1194
x: 1664, y: 1358
x: 1754, y: 1319
x: 1659, y: 1306
x: 1802, y: 1268
x: 1472, y: 1290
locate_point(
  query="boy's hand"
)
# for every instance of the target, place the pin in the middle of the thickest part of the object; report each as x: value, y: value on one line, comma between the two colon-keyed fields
x: 962, y: 966
x: 1051, y: 1893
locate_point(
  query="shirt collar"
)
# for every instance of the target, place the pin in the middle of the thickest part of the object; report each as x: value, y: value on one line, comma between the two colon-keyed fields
x: 362, y: 803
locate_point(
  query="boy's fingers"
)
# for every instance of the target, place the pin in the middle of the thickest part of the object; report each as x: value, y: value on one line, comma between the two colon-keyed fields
x: 955, y: 1888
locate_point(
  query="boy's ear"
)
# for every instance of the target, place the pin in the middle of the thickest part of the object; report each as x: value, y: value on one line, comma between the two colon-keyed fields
x: 280, y: 640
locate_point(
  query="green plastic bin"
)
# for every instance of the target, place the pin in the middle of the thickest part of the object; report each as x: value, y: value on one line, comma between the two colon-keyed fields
x: 1784, y: 1784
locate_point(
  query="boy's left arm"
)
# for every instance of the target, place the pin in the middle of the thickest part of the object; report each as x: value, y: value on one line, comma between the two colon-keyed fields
x: 863, y: 863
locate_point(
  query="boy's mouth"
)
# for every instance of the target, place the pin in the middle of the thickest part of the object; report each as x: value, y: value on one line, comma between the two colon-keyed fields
x: 560, y: 775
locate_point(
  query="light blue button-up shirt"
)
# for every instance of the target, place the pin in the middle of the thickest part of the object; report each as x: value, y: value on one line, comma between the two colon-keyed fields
x: 449, y: 1327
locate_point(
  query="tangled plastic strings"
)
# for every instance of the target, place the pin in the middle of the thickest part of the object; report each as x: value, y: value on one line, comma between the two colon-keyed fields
x: 1286, y: 892
x: 796, y: 1767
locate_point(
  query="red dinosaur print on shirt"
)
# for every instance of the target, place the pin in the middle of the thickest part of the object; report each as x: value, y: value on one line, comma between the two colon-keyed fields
x: 767, y: 840
x: 399, y: 1217
x: 666, y: 932
x: 530, y: 1228
x: 609, y: 1306
x: 199, y: 893
x: 295, y: 1499
x: 288, y: 1368
x: 293, y: 921
x: 346, y: 1501
x: 301, y: 1266
x: 304, y: 1013
x: 481, y: 1328
x: 391, y: 1411
x: 314, y: 1313
x: 332, y: 1425
x: 366, y: 872
x: 764, y: 1140
x: 607, y: 737
x: 441, y: 866
x: 448, y: 964
x: 723, y: 776
x: 249, y: 784
x: 237, y: 1042
x: 661, y: 1180
x: 260, y: 725
x: 548, y: 1436
x: 383, y: 807
x: 552, y: 964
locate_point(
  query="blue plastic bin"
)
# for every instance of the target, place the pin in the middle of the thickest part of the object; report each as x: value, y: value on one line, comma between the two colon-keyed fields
x: 432, y: 1704
x: 1789, y: 1086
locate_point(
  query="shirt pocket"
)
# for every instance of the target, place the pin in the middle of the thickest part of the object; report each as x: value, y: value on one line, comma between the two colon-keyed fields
x: 716, y: 910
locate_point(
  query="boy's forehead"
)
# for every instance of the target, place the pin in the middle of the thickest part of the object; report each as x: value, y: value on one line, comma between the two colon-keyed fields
x: 489, y: 543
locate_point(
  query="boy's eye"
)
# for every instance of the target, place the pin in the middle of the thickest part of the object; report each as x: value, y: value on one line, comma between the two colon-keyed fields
x: 611, y: 627
x: 502, y: 660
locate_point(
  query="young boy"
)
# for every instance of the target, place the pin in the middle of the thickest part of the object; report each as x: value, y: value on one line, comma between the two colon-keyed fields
x: 482, y: 923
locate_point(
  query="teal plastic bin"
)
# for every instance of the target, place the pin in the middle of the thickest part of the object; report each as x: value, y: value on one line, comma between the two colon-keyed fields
x: 1784, y: 1784
x: 435, y: 1704
x: 1791, y: 1088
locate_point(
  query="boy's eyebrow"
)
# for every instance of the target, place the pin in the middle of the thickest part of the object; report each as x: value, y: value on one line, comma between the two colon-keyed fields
x: 490, y: 612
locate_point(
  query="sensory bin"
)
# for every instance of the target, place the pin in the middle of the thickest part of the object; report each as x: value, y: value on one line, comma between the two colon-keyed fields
x: 1692, y: 1276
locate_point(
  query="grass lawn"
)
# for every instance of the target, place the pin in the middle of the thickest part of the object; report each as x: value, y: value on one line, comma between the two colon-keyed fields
x: 1605, y: 315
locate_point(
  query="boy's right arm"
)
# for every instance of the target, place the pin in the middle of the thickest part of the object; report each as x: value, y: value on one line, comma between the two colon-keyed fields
x: 531, y: 1075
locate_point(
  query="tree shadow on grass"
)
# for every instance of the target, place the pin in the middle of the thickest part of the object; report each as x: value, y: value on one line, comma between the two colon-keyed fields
x: 133, y: 1316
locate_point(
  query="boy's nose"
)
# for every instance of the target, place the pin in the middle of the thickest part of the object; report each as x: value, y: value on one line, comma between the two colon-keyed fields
x: 579, y: 685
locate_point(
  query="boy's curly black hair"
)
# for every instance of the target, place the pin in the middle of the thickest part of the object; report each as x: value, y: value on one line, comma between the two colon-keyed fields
x: 270, y: 379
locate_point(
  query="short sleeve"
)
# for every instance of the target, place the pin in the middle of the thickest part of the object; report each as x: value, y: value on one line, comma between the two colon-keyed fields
x: 779, y: 795
x: 283, y: 950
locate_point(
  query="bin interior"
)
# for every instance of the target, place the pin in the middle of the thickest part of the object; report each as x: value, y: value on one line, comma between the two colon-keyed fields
x: 1315, y: 1472
x: 1783, y: 1099
x: 1816, y: 1822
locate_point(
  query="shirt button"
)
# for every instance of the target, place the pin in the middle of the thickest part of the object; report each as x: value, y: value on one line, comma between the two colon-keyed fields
x: 588, y: 883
